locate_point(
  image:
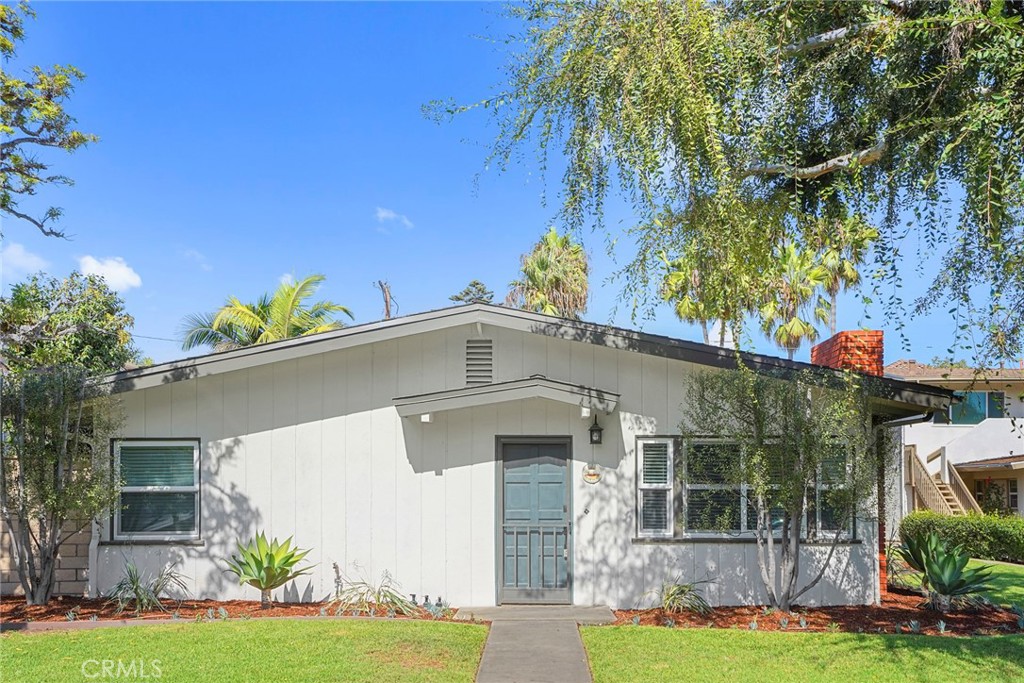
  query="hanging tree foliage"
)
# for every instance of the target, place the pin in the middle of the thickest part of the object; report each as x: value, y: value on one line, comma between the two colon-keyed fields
x: 912, y: 112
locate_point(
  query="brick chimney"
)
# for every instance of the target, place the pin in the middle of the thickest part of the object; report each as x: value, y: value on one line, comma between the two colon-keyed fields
x: 859, y: 350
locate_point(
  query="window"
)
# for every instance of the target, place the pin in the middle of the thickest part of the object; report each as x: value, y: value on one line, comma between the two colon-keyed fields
x: 975, y: 406
x: 1011, y: 495
x: 712, y: 501
x: 709, y: 500
x: 160, y: 491
x: 654, y: 490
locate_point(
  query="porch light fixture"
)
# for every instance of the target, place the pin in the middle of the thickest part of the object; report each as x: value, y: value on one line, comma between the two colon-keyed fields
x: 595, y: 433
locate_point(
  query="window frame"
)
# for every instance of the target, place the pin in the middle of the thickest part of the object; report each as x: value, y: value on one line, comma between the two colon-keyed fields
x: 679, y: 499
x: 196, y: 534
x: 669, y: 488
x: 685, y: 486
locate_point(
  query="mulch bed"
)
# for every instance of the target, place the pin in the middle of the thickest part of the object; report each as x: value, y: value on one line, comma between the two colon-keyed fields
x: 892, y: 616
x: 14, y: 609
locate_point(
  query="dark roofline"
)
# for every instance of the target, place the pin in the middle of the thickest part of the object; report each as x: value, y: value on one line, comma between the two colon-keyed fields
x: 897, y: 391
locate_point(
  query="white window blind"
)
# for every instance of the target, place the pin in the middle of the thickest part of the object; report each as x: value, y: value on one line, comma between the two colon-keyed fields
x: 654, y: 487
x: 159, y: 492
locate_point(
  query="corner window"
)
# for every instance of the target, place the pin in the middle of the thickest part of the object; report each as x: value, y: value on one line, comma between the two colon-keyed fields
x: 160, y: 491
x: 975, y: 406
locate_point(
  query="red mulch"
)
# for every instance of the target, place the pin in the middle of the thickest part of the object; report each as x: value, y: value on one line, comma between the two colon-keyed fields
x: 14, y: 609
x: 892, y: 616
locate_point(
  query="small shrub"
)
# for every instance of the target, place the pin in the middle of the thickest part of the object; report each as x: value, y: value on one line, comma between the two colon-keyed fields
x: 670, y: 623
x: 833, y: 627
x: 914, y: 626
x: 941, y: 626
x: 783, y: 623
x: 144, y: 593
x: 267, y: 565
x: 364, y: 597
x: 676, y: 597
x: 985, y: 537
x: 752, y: 625
x: 945, y: 580
x: 636, y: 620
x: 803, y: 622
x: 222, y: 614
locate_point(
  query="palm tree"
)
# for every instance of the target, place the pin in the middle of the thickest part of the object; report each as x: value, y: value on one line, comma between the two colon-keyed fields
x: 842, y: 254
x: 794, y: 292
x: 281, y: 315
x: 553, y: 278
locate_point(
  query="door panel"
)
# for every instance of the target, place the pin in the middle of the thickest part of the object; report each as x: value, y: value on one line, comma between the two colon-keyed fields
x: 535, y: 532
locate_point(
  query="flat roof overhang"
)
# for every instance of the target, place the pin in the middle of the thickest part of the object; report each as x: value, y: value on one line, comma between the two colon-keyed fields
x: 535, y: 386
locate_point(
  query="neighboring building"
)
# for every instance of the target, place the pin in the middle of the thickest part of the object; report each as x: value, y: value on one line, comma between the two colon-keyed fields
x: 479, y: 454
x: 971, y: 455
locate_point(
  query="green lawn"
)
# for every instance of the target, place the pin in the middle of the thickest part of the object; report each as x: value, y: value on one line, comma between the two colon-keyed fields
x: 256, y: 650
x: 647, y: 653
x: 1007, y: 583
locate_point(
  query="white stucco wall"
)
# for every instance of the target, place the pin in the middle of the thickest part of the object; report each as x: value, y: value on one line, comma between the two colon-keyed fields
x: 312, y: 447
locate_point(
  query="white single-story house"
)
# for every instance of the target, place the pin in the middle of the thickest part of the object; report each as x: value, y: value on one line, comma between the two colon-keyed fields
x: 479, y: 454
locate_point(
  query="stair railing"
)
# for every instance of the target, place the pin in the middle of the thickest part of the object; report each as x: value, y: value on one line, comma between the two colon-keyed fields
x: 924, y: 492
x: 960, y: 490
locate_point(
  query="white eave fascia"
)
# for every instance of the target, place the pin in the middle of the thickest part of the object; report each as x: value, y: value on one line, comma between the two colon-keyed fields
x: 536, y: 386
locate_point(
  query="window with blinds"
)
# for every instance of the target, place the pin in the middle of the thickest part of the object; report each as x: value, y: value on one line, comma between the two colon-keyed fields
x: 159, y: 492
x: 654, y: 487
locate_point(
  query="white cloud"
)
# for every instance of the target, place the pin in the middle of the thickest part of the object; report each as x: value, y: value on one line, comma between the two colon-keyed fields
x: 198, y: 258
x: 16, y: 260
x: 119, y: 275
x: 390, y: 216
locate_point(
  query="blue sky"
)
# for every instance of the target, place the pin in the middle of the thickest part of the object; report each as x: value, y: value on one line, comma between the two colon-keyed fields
x: 243, y: 142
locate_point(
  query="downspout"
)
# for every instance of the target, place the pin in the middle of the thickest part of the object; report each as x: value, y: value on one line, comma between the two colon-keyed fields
x: 881, y: 561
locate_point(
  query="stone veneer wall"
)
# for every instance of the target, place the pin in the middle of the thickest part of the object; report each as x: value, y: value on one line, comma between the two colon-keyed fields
x: 72, y: 564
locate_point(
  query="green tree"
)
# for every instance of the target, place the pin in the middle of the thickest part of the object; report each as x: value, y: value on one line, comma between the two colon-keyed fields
x: 553, y: 278
x: 475, y: 292
x: 78, y: 321
x: 808, y: 457
x: 55, y: 475
x: 793, y: 293
x: 844, y: 243
x: 283, y: 314
x: 32, y: 119
x: 884, y: 107
x: 55, y: 478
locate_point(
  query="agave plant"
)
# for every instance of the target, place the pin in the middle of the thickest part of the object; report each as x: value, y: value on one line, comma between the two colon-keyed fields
x: 267, y: 565
x: 945, y: 578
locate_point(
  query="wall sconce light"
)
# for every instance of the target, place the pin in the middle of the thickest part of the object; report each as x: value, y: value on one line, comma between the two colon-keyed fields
x: 595, y: 432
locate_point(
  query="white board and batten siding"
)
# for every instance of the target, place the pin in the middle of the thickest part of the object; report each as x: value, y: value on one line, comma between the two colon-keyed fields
x: 313, y: 448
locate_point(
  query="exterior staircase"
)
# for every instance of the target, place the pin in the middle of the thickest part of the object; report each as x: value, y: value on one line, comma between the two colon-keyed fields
x: 952, y: 501
x: 929, y: 492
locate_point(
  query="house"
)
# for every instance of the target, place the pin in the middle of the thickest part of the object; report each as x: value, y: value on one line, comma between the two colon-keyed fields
x: 971, y: 455
x: 480, y: 454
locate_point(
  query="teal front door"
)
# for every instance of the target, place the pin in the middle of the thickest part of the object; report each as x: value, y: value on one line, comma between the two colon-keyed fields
x: 535, y: 529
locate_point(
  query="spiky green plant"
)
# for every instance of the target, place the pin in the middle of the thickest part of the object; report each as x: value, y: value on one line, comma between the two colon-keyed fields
x: 267, y: 565
x: 144, y: 593
x: 945, y: 578
x: 677, y: 597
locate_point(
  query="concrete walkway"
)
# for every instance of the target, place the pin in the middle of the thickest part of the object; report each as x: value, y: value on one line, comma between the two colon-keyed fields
x: 535, y: 644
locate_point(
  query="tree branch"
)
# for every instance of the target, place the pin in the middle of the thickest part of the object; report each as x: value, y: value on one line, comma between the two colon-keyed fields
x: 826, y: 39
x: 40, y: 224
x: 862, y: 157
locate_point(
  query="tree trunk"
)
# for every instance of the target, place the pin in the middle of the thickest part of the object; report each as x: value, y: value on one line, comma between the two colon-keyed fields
x: 265, y: 601
x: 832, y: 312
x: 704, y: 330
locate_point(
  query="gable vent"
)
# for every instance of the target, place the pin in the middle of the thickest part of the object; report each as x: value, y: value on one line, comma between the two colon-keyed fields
x: 479, y: 361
